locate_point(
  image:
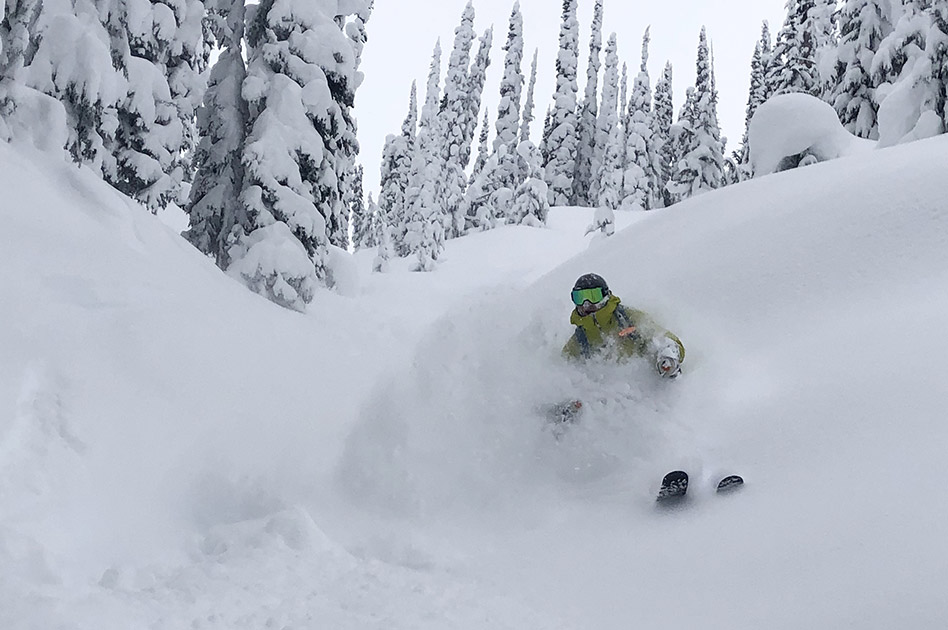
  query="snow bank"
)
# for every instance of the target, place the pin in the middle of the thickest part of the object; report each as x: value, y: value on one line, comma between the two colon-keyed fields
x: 793, y: 130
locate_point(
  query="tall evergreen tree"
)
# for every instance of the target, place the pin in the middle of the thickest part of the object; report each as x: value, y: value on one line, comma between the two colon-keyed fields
x: 530, y: 205
x: 609, y: 175
x: 397, y: 155
x: 864, y: 24
x: 452, y: 180
x: 757, y: 96
x: 806, y: 32
x: 588, y: 155
x: 560, y: 164
x: 511, y: 84
x: 215, y: 207
x: 423, y: 230
x: 483, y: 149
x: 701, y: 167
x: 641, y: 175
x: 300, y: 87
x: 529, y: 102
x: 908, y: 70
x: 65, y: 51
x: 663, y: 117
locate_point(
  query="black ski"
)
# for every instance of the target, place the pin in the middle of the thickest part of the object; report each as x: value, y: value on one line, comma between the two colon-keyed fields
x: 674, y: 487
x: 730, y: 483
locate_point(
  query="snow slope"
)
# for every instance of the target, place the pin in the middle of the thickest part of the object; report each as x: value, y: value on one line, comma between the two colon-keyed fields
x: 177, y: 452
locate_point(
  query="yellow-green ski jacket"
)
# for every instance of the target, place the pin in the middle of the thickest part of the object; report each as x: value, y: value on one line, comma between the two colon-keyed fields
x: 630, y: 332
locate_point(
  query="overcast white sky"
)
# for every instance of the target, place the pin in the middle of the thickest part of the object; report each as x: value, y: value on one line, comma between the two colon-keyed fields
x: 402, y: 34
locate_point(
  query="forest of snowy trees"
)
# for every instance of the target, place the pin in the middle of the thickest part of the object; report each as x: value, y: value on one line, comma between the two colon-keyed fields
x: 260, y: 147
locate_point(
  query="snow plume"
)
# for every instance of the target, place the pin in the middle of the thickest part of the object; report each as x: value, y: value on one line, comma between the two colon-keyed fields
x: 479, y: 392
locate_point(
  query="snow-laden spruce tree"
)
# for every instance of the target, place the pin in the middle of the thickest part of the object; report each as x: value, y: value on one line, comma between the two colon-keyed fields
x: 909, y: 72
x: 808, y: 33
x: 475, y: 87
x: 663, y: 117
x: 451, y: 121
x: 545, y: 134
x: 346, y: 143
x: 487, y: 201
x: 560, y: 154
x: 606, y: 125
x: 511, y: 84
x: 530, y: 204
x: 508, y: 114
x: 529, y: 104
x: 397, y: 156
x: 475, y: 90
x: 300, y: 84
x: 364, y: 225
x: 757, y: 95
x: 483, y: 149
x: 864, y: 24
x: 386, y: 250
x: 70, y: 60
x: 588, y: 154
x: 215, y: 206
x: 422, y: 233
x: 161, y: 49
x: 642, y: 165
x: 701, y: 166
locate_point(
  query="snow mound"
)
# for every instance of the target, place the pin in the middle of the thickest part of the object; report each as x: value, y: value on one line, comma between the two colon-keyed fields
x: 793, y: 130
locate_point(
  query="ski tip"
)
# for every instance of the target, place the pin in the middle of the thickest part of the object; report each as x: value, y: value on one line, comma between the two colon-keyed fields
x: 674, y: 486
x: 730, y: 483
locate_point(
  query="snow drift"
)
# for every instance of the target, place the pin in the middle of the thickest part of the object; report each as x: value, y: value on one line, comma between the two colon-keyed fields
x: 793, y: 130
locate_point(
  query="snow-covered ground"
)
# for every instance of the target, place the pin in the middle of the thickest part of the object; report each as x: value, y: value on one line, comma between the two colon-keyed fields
x: 176, y: 452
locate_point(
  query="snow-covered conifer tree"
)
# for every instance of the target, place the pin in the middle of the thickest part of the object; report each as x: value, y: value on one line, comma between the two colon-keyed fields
x: 663, y: 117
x: 701, y: 167
x: 364, y: 223
x: 397, y: 156
x: 607, y: 123
x: 386, y: 249
x: 624, y: 94
x: 511, y: 84
x: 545, y: 136
x: 560, y: 165
x: 530, y: 203
x: 757, y: 96
x: 300, y: 86
x: 909, y: 71
x: 864, y: 24
x: 529, y: 102
x: 215, y: 207
x: 588, y: 154
x: 162, y: 51
x: 65, y: 49
x: 483, y: 149
x: 422, y: 234
x: 795, y: 65
x: 642, y: 154
x: 451, y: 181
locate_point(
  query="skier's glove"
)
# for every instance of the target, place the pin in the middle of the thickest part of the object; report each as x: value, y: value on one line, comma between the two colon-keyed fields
x: 668, y: 367
x: 668, y: 362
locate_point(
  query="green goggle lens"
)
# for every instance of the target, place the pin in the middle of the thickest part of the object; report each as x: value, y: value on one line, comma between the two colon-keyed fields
x: 581, y: 296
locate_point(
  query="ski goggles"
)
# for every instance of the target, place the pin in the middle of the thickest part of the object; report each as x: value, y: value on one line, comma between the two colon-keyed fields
x: 581, y: 296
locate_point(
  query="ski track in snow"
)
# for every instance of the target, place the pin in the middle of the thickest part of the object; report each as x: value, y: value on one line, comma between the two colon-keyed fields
x: 178, y: 453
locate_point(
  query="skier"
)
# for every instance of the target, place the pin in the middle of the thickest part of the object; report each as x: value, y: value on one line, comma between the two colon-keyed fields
x: 604, y: 326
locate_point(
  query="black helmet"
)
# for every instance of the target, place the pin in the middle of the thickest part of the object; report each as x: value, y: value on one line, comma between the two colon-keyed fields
x: 590, y: 293
x: 591, y: 281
